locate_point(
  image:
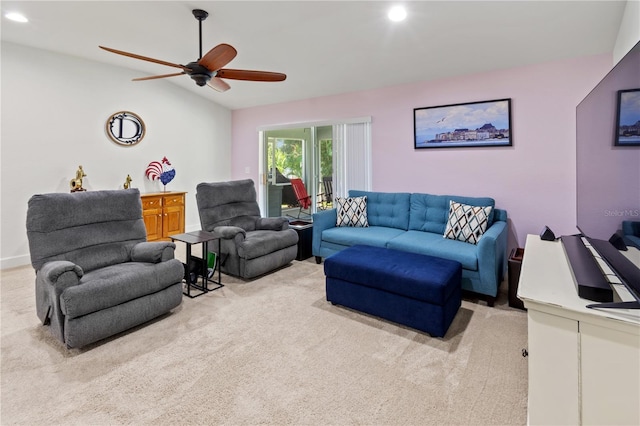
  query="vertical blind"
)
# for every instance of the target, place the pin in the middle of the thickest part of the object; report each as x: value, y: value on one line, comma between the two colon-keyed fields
x: 351, y: 157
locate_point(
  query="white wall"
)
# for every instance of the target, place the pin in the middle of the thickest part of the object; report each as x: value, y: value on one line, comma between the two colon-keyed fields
x: 54, y: 110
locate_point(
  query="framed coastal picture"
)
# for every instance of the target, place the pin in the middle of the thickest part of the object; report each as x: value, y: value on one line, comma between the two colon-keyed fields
x: 628, y: 118
x: 473, y: 124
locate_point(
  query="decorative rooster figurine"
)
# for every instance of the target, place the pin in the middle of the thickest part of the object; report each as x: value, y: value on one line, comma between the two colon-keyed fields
x: 162, y: 171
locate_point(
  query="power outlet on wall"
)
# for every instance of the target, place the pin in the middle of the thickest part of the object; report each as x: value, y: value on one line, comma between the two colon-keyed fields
x: 247, y: 170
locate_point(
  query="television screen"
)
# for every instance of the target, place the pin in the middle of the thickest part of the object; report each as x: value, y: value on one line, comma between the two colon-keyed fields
x: 608, y: 175
x: 608, y: 172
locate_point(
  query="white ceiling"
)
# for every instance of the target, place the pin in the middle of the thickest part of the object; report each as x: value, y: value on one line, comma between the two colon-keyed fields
x: 324, y: 47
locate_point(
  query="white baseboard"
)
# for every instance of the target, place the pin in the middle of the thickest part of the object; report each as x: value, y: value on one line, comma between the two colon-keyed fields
x: 12, y: 262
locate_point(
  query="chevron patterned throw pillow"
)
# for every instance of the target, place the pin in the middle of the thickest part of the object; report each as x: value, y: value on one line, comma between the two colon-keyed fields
x: 352, y: 211
x: 466, y: 223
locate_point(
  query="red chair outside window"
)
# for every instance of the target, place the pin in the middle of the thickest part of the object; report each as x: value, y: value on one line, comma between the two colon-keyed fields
x: 304, y: 200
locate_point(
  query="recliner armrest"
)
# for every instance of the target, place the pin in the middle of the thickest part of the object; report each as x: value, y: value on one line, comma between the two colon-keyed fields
x: 272, y: 223
x: 51, y: 271
x: 153, y: 251
x: 229, y: 232
x: 51, y: 281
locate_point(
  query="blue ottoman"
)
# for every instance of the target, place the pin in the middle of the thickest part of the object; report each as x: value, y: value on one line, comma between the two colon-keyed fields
x: 419, y: 291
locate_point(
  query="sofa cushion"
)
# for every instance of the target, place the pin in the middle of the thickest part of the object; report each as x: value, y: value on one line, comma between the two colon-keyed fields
x: 466, y: 223
x: 390, y: 209
x: 230, y: 203
x: 110, y: 286
x: 430, y: 213
x: 351, y: 211
x: 434, y: 245
x: 92, y: 229
x: 373, y: 235
x: 262, y: 243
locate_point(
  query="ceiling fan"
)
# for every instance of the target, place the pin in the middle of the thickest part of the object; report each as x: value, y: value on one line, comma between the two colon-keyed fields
x: 208, y: 69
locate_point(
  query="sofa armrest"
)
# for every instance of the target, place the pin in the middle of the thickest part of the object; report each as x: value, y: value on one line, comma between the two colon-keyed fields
x: 322, y: 220
x: 492, y: 256
x: 153, y: 251
x: 229, y: 232
x: 272, y: 223
x: 631, y: 228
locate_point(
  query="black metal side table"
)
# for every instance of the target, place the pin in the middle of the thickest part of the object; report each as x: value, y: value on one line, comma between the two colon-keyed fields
x: 200, y: 237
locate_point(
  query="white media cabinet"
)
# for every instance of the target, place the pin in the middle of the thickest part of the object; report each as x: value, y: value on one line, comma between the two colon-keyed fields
x: 584, y: 364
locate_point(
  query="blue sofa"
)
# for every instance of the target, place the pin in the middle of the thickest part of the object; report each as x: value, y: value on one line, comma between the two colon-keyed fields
x: 631, y: 231
x: 416, y: 223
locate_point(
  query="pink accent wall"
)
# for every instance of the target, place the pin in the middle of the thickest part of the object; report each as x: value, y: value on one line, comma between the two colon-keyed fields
x: 534, y: 180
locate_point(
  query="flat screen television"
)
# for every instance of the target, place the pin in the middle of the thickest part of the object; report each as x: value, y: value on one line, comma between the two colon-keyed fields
x: 608, y: 171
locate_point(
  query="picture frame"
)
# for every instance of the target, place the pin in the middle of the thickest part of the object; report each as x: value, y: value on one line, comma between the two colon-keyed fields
x: 628, y: 118
x: 464, y: 125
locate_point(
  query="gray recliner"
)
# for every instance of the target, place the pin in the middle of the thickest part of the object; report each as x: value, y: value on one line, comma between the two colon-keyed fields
x: 251, y: 245
x: 96, y: 275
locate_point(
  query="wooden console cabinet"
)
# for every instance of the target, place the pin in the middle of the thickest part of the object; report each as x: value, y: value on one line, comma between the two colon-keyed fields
x: 163, y: 214
x: 584, y: 364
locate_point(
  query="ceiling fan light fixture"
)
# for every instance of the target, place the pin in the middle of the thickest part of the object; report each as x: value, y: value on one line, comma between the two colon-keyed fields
x: 198, y: 73
x: 201, y: 79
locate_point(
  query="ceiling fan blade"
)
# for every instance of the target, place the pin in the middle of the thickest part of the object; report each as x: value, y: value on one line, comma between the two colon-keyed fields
x: 250, y: 75
x: 218, y: 57
x: 217, y: 84
x: 153, y: 77
x: 144, y: 58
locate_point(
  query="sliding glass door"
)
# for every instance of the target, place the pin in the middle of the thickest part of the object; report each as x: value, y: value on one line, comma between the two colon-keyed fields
x: 312, y: 155
x: 286, y: 159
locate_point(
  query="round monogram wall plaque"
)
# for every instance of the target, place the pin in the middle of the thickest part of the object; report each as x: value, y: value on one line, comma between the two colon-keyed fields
x: 125, y: 128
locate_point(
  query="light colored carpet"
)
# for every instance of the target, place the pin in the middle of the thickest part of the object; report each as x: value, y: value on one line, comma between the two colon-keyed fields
x: 271, y: 351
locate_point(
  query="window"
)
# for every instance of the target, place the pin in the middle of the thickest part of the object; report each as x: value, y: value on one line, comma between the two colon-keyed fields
x: 326, y: 156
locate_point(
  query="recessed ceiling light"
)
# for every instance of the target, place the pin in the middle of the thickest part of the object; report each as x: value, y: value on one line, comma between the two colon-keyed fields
x: 17, y: 17
x: 397, y: 13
